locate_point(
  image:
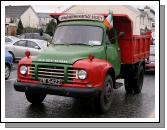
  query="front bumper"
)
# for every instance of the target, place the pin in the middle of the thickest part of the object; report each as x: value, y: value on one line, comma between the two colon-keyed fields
x: 53, y: 90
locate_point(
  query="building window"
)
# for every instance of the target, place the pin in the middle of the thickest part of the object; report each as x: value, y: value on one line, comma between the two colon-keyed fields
x: 11, y: 20
x: 153, y: 24
x: 140, y: 20
x: 142, y: 31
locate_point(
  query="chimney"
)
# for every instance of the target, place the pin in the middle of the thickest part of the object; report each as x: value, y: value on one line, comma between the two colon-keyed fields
x: 146, y: 9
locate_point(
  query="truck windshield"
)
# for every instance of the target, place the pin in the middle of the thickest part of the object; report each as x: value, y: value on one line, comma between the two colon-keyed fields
x: 86, y: 35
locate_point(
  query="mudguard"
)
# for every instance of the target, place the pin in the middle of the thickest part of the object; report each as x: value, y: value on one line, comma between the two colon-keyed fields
x: 96, y: 69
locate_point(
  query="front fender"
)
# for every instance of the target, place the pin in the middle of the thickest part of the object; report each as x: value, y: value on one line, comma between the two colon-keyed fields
x: 96, y: 69
x: 24, y: 61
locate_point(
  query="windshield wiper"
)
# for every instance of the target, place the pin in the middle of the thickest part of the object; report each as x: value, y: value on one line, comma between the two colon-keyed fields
x: 60, y: 43
x: 80, y: 43
x: 76, y: 43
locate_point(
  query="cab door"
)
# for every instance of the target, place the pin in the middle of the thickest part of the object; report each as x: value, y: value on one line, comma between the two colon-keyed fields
x: 113, y: 51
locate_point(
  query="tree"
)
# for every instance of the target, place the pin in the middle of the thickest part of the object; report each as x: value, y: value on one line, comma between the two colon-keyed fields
x: 51, y: 27
x: 20, y: 28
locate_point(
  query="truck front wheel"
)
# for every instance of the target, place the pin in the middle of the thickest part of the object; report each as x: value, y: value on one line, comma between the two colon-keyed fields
x: 135, y: 83
x: 35, y: 98
x: 104, y: 100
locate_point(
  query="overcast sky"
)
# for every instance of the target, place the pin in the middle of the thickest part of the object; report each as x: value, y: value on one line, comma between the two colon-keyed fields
x: 60, y: 8
x: 49, y: 8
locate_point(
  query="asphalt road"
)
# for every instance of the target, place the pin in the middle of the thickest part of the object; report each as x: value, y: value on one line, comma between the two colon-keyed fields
x: 123, y: 106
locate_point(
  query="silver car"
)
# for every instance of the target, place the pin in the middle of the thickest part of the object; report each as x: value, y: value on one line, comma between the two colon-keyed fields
x: 18, y: 48
x: 10, y: 39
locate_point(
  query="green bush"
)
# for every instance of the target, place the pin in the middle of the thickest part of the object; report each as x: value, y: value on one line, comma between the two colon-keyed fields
x: 20, y: 28
x: 50, y: 29
x: 31, y: 30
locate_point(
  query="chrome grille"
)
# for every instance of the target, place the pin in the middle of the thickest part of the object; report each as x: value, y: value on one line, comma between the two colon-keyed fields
x: 71, y: 74
x: 50, y: 72
x: 31, y: 71
x: 43, y: 71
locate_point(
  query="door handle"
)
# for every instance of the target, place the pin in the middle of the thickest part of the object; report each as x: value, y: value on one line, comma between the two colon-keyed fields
x: 118, y: 49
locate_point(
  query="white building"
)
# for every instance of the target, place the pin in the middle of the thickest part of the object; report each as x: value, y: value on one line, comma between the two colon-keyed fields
x: 140, y: 21
x: 27, y: 15
x: 44, y: 19
x: 147, y: 20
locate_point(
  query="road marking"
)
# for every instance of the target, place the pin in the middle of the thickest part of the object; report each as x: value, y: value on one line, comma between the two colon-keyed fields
x: 11, y: 79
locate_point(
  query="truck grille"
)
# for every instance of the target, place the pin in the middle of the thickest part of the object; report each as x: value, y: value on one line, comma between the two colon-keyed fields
x: 31, y: 71
x: 71, y: 74
x: 52, y: 72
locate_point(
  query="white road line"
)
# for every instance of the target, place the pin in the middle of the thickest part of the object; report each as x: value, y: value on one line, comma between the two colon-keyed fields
x: 11, y: 79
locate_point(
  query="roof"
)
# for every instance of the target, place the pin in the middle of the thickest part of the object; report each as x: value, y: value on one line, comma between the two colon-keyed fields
x: 126, y: 6
x: 15, y: 11
x: 132, y: 8
x: 68, y: 8
x: 43, y: 15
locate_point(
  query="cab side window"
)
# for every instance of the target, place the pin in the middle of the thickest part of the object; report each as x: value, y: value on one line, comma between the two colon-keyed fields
x: 107, y: 39
x: 112, y: 36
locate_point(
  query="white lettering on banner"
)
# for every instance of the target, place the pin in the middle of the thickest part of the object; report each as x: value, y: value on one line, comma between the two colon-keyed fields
x: 81, y: 16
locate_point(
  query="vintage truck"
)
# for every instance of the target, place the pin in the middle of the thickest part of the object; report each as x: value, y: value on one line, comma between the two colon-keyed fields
x: 85, y: 60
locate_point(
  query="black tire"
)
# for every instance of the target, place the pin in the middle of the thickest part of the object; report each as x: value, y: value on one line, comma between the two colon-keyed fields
x: 7, y: 71
x: 134, y: 84
x: 104, y: 100
x: 13, y: 57
x: 35, y: 98
x: 139, y: 81
x: 129, y: 85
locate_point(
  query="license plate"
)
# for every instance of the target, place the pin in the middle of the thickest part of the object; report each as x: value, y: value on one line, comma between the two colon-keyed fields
x: 51, y: 81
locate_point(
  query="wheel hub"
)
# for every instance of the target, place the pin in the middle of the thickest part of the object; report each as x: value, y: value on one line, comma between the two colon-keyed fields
x: 108, y: 92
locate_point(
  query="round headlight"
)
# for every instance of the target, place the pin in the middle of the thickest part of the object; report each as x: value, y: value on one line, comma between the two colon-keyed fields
x: 82, y: 74
x: 23, y: 70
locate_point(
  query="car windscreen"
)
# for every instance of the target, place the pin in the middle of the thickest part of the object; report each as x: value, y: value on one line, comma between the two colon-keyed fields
x: 89, y: 35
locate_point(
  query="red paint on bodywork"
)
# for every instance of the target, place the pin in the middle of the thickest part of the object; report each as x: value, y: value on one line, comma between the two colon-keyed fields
x: 96, y: 71
x: 27, y: 61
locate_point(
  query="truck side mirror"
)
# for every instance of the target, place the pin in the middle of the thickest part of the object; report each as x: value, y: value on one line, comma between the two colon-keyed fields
x: 121, y: 34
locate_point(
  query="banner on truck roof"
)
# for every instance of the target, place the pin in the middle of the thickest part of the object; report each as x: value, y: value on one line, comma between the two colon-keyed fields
x: 108, y: 22
x: 81, y: 17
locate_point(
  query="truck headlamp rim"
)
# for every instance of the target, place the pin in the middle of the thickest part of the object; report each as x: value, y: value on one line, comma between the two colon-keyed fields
x: 23, y: 69
x: 82, y: 74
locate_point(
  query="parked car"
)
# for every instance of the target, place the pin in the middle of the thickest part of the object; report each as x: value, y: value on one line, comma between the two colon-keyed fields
x: 18, y: 48
x: 42, y: 36
x: 150, y: 62
x: 8, y: 64
x: 10, y: 39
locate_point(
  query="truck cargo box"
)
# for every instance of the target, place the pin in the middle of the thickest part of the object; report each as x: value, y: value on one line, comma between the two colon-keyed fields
x: 133, y: 48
